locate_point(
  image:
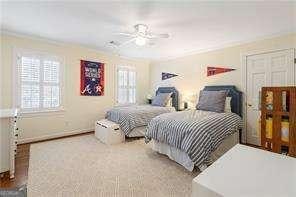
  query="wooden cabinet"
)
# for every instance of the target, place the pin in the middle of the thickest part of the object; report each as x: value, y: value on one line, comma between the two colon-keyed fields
x: 278, y: 119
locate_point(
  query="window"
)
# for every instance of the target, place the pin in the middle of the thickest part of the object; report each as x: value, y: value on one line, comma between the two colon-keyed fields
x: 38, y: 82
x: 126, y: 85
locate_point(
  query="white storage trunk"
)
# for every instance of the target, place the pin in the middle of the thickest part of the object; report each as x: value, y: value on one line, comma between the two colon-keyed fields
x: 108, y: 132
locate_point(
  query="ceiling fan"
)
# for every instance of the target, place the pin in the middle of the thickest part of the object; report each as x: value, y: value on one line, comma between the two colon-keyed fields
x: 141, y: 36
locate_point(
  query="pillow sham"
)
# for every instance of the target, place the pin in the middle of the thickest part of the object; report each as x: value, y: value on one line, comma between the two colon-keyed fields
x: 170, y: 102
x: 227, y: 108
x: 161, y: 99
x: 212, y: 101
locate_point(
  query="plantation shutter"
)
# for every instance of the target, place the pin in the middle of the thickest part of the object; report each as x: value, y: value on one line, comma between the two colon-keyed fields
x: 30, y: 80
x: 39, y: 83
x: 51, y: 89
x: 126, y: 87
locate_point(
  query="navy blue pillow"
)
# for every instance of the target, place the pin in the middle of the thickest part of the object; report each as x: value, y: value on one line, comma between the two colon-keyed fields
x: 161, y: 99
x: 212, y: 101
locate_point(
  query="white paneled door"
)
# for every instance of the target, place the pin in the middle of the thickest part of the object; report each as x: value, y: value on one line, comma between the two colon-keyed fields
x: 266, y: 69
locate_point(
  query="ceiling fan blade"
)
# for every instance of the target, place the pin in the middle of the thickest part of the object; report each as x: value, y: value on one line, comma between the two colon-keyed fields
x: 152, y: 35
x: 127, y: 42
x: 125, y: 34
x: 114, y: 43
x: 151, y: 43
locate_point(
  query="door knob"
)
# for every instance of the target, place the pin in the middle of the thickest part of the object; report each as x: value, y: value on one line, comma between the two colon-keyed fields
x: 249, y: 105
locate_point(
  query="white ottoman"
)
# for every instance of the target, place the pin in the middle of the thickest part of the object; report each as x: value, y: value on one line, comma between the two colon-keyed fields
x: 108, y: 132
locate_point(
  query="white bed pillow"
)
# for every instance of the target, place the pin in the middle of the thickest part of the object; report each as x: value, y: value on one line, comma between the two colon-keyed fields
x: 170, y: 102
x: 227, y: 108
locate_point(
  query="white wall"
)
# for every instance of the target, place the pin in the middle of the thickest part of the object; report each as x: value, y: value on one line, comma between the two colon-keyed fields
x: 192, y: 69
x: 80, y: 111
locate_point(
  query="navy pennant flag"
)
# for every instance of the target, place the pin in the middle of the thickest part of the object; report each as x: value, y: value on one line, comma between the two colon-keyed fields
x: 165, y: 76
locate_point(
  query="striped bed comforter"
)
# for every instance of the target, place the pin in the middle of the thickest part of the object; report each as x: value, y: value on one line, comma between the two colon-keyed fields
x: 130, y: 117
x: 198, y: 133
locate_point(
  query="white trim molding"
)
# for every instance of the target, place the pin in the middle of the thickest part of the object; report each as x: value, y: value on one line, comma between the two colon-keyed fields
x: 53, y: 136
x: 66, y: 44
x: 151, y: 60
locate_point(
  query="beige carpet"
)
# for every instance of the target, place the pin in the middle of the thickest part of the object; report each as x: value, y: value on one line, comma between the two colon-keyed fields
x: 83, y: 166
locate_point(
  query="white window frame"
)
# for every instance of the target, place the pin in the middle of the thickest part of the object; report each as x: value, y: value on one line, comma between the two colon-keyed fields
x: 17, y: 53
x: 128, y: 68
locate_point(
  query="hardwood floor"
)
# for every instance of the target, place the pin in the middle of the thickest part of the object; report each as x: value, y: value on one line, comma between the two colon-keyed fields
x: 21, y: 168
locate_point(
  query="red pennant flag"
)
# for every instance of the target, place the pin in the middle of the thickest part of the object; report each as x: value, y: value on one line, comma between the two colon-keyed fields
x: 217, y: 70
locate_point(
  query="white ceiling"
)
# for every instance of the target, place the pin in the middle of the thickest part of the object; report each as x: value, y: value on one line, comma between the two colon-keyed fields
x: 193, y: 26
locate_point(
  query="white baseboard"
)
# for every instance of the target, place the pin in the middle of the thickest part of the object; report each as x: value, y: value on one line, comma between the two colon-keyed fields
x: 57, y: 135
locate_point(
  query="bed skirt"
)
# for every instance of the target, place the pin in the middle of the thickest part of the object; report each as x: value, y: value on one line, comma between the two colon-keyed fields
x: 183, y: 159
x: 137, y: 132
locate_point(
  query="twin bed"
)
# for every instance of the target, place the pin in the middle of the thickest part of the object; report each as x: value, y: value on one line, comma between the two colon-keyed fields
x: 197, y: 137
x: 191, y: 137
x: 134, y: 119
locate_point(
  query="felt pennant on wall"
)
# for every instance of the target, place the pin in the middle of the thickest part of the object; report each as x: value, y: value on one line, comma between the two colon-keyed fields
x: 217, y: 70
x: 165, y: 76
x: 92, y: 78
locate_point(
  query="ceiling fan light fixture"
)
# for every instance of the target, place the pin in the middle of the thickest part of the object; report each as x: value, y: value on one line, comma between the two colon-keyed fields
x: 141, y: 28
x: 141, y: 36
x: 140, y: 41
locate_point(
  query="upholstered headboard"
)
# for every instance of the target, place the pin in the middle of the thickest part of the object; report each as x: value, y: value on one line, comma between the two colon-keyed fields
x: 175, y: 95
x: 236, y: 97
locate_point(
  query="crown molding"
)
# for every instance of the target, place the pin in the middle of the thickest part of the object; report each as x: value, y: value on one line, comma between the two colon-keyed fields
x: 64, y: 44
x: 227, y: 45
x: 149, y: 60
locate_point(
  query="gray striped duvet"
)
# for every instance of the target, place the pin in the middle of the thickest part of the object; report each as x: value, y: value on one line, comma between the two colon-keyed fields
x: 130, y: 117
x: 198, y: 133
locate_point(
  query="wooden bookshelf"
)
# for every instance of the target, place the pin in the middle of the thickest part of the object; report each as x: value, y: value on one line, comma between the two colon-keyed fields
x: 278, y: 119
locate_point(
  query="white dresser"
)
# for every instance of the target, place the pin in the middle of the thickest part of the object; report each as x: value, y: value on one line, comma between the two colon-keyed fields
x: 247, y: 172
x: 8, y: 138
